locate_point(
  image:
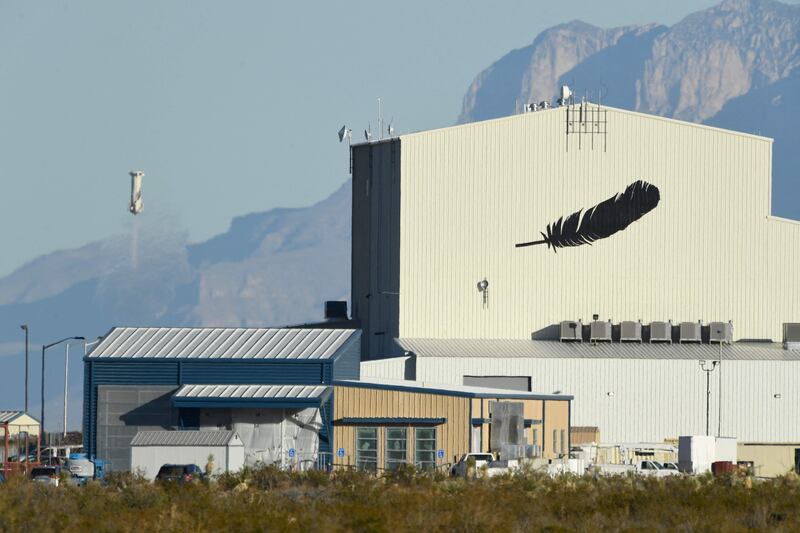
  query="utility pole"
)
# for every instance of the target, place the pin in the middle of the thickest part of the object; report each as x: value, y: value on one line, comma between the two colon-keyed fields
x: 24, y: 327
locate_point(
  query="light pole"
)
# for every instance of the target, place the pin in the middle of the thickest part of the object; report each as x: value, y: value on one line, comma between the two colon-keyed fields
x: 708, y: 372
x: 45, y: 347
x: 66, y: 384
x: 24, y: 327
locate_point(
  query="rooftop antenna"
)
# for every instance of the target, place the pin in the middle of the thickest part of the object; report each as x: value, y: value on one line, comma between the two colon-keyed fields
x: 380, y: 119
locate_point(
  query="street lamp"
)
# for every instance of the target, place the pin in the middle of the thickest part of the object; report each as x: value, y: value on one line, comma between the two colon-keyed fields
x: 24, y: 327
x: 708, y: 372
x: 45, y: 347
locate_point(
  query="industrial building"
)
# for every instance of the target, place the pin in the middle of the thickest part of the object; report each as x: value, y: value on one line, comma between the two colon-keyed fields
x: 474, y: 246
x: 290, y: 397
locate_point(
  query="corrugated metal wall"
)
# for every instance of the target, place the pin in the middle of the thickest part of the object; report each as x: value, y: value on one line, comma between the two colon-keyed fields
x: 357, y: 402
x: 707, y: 251
x: 348, y: 363
x: 175, y: 373
x: 376, y: 242
x: 644, y: 400
x: 391, y: 368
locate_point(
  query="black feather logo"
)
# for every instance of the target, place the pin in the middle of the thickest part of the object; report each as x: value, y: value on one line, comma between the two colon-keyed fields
x: 603, y: 220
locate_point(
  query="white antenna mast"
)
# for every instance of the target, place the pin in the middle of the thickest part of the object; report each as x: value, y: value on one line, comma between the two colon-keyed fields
x: 380, y: 119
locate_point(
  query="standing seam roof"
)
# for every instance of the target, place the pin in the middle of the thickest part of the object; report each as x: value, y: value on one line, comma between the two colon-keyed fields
x: 9, y: 416
x: 222, y: 343
x: 261, y: 392
x: 183, y: 438
x: 511, y: 348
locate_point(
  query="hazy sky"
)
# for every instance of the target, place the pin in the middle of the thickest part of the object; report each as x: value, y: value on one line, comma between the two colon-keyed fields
x: 229, y: 107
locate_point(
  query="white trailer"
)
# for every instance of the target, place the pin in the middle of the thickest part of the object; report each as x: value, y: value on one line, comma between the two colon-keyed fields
x: 152, y: 449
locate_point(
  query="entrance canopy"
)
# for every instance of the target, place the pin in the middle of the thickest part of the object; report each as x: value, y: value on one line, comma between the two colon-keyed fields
x: 263, y: 396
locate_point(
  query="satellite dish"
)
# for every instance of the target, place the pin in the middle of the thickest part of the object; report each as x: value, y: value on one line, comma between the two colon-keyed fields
x: 367, y: 135
x: 342, y: 133
x: 390, y: 130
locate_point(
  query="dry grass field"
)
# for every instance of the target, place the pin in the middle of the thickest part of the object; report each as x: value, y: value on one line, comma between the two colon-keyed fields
x: 271, y: 500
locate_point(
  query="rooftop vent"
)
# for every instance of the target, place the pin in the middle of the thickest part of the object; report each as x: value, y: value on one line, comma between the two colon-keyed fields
x: 600, y: 331
x: 335, y: 310
x: 661, y: 332
x: 791, y: 336
x: 571, y: 331
x: 630, y: 331
x: 720, y: 332
x: 691, y: 332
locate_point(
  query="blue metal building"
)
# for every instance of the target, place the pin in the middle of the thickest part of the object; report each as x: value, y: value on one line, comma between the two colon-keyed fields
x: 132, y: 376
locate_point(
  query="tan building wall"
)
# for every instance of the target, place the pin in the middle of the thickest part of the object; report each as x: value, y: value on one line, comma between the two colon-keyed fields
x: 769, y: 460
x: 709, y: 250
x: 357, y: 402
x: 454, y: 436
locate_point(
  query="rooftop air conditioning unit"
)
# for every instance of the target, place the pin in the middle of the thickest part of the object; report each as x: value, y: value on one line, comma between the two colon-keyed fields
x: 720, y: 332
x: 791, y: 336
x: 630, y: 331
x: 691, y: 332
x: 571, y: 331
x: 661, y: 332
x: 600, y: 331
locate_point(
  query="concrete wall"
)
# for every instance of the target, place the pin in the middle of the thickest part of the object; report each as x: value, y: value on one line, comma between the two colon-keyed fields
x: 769, y: 460
x: 123, y: 410
x: 148, y: 459
x: 468, y: 194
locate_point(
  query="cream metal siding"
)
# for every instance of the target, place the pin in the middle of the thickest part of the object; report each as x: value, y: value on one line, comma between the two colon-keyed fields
x: 708, y: 251
x: 649, y: 400
x: 390, y: 368
x: 769, y: 460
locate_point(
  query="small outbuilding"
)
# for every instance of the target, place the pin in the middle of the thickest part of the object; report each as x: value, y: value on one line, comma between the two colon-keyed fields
x: 150, y: 450
x: 20, y: 432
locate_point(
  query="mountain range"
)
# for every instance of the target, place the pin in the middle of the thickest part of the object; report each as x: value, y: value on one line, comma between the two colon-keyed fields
x: 734, y: 65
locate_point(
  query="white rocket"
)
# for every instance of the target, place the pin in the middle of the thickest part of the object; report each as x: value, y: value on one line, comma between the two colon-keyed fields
x: 136, y: 192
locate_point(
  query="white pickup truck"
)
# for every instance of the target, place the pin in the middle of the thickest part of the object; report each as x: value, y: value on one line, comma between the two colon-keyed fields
x: 644, y: 468
x: 485, y: 464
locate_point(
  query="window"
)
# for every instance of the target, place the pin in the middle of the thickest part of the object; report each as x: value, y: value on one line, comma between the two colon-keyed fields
x: 555, y: 441
x: 367, y: 448
x: 425, y: 448
x: 534, y: 436
x: 563, y: 441
x: 396, y: 446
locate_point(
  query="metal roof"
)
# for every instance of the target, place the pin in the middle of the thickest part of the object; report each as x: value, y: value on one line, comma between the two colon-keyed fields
x: 222, y: 343
x: 255, y: 392
x: 511, y: 348
x: 183, y: 438
x: 447, y: 389
x: 9, y: 416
